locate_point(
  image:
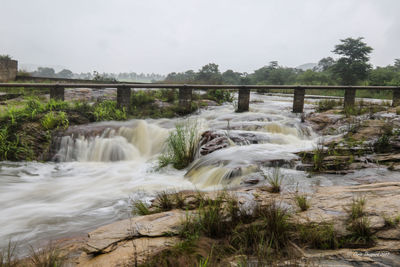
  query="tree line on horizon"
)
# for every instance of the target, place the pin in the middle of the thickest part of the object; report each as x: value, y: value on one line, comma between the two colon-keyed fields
x: 96, y: 76
x: 351, y: 68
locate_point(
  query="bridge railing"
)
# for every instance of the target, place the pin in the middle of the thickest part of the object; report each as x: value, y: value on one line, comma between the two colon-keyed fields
x: 185, y: 91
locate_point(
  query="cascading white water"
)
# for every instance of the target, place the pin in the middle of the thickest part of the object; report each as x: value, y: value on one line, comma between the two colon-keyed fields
x: 94, y: 174
x: 139, y: 142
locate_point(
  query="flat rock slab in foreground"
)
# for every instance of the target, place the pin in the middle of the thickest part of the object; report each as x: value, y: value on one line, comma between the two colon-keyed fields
x: 106, y: 238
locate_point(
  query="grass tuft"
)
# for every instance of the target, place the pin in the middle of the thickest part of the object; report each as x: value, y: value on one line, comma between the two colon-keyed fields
x: 302, y: 202
x: 318, y: 235
x: 357, y: 208
x: 361, y: 232
x: 7, y: 256
x: 51, y: 256
x: 164, y: 201
x: 140, y: 208
x: 275, y: 180
x: 181, y: 146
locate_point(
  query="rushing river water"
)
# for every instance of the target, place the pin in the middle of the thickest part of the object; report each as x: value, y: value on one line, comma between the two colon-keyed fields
x: 100, y: 169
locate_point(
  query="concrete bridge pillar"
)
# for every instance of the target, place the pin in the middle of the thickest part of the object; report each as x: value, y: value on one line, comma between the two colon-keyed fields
x: 349, y: 97
x: 124, y: 97
x: 298, y: 100
x: 57, y: 93
x: 396, y: 97
x: 8, y: 69
x: 243, y: 100
x: 185, y: 99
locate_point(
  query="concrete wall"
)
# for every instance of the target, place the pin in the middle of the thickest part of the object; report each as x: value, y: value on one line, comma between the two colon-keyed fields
x: 8, y: 70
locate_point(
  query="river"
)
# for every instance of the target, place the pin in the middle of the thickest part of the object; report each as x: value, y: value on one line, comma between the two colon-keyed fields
x: 97, y: 174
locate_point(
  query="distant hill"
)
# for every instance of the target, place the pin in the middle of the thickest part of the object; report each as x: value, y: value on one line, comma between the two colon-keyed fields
x: 307, y: 66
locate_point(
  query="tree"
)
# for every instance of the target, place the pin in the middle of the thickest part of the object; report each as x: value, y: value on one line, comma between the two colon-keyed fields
x: 325, y: 63
x: 209, y: 74
x: 397, y: 64
x: 353, y: 65
x: 273, y: 65
x: 231, y: 77
x: 65, y: 74
x: 44, y: 72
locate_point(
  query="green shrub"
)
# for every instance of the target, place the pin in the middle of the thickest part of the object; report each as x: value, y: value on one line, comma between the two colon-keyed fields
x: 181, y: 145
x: 83, y: 107
x: 168, y: 95
x: 54, y: 120
x: 108, y: 110
x: 12, y: 147
x: 54, y: 105
x: 219, y: 96
x: 142, y: 97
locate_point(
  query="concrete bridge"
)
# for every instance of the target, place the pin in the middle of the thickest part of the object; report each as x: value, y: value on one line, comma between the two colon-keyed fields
x: 185, y: 91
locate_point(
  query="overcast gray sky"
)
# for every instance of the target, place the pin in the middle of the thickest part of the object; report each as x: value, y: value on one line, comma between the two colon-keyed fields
x: 163, y: 36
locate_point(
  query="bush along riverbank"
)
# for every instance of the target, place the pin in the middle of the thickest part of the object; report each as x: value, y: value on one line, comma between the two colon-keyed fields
x: 27, y: 125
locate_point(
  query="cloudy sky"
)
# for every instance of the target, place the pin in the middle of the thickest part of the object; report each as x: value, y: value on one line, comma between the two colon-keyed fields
x: 162, y: 36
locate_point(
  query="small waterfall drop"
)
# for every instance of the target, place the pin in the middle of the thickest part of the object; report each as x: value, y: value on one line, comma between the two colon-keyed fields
x: 139, y: 142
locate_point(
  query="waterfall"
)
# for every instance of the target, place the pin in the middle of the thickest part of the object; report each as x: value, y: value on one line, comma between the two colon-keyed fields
x: 139, y: 142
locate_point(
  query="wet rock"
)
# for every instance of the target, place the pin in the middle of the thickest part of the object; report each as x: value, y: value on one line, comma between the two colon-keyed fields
x: 393, y: 234
x: 320, y: 121
x: 388, y: 158
x: 394, y: 167
x: 369, y: 129
x: 161, y: 104
x: 127, y: 253
x: 252, y: 179
x: 211, y: 141
x: 208, y: 102
x: 105, y: 239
